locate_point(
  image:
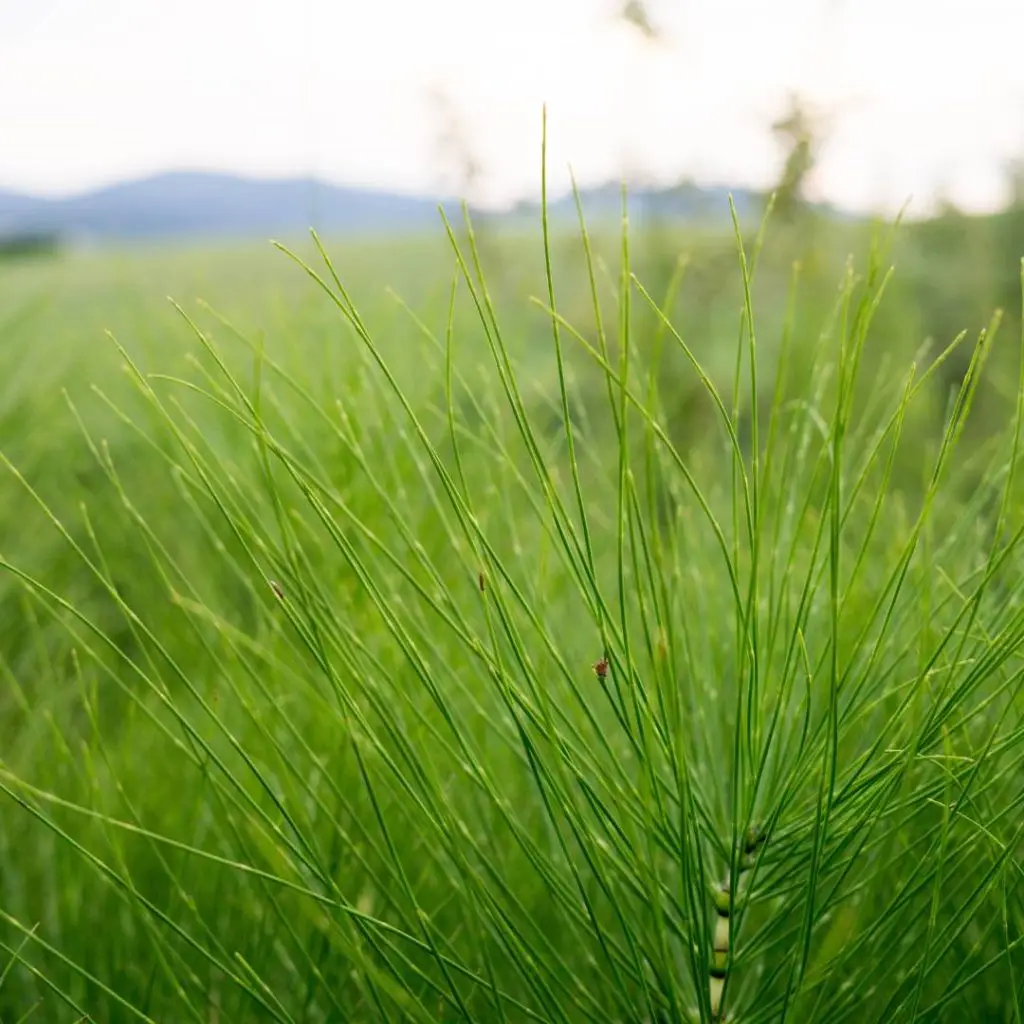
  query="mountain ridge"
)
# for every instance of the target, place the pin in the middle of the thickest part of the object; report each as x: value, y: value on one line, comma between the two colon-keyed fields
x: 198, y: 203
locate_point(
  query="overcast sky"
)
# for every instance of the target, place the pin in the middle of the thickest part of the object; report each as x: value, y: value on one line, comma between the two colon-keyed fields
x: 923, y: 94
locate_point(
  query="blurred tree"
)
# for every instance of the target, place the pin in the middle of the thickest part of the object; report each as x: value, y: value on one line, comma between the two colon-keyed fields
x: 1010, y: 240
x: 798, y: 134
x: 635, y: 13
x: 462, y: 172
x: 455, y: 154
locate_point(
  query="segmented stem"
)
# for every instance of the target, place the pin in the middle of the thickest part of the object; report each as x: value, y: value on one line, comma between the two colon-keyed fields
x: 725, y: 897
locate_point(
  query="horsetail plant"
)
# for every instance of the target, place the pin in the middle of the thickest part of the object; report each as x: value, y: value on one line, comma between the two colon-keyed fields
x: 298, y: 654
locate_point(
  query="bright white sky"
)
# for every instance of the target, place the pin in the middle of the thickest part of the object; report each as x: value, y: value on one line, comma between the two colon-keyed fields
x: 923, y: 94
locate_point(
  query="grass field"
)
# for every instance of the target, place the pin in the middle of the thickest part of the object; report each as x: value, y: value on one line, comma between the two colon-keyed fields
x: 377, y: 646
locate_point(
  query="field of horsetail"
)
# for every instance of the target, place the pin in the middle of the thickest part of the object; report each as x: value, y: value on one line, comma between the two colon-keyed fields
x: 570, y: 627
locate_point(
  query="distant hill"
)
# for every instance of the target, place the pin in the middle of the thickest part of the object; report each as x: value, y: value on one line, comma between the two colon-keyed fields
x: 688, y: 202
x: 192, y: 204
x: 17, y: 211
x: 197, y: 204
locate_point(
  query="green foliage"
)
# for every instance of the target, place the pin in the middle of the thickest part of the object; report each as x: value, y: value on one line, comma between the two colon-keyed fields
x: 28, y: 244
x: 433, y: 659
